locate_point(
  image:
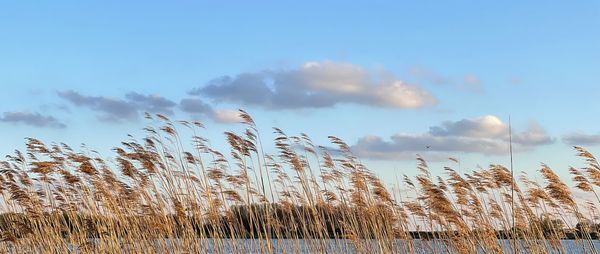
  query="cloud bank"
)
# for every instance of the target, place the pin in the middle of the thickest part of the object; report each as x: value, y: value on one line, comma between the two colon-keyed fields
x: 316, y: 85
x: 582, y: 139
x: 133, y: 105
x: 484, y: 135
x: 312, y: 85
x: 117, y: 109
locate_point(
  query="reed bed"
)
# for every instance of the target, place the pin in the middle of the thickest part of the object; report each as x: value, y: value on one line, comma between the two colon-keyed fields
x: 173, y: 193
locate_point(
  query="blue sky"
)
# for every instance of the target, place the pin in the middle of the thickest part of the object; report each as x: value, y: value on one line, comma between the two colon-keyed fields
x: 388, y: 77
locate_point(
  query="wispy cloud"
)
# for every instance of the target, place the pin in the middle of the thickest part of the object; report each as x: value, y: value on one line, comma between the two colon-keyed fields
x: 425, y: 75
x: 468, y: 83
x: 472, y: 83
x: 32, y: 119
x: 484, y: 135
x: 316, y: 85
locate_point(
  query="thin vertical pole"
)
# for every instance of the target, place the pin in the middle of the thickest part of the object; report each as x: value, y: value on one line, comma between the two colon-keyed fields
x: 512, y: 187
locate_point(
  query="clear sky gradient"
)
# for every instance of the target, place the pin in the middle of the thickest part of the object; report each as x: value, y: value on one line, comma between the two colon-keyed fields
x: 390, y: 78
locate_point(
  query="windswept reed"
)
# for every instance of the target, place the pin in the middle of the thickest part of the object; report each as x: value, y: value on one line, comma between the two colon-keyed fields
x: 161, y: 194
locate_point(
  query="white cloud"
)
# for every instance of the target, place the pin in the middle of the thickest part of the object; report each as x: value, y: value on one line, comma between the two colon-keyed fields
x: 481, y: 127
x: 227, y: 116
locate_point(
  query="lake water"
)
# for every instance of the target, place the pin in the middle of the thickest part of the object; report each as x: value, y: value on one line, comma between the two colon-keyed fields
x: 347, y: 246
x: 336, y: 246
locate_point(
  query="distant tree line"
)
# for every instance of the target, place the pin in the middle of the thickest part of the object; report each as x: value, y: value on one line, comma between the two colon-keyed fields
x: 268, y: 221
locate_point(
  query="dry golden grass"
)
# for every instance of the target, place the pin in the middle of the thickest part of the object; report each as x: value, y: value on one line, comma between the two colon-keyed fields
x: 158, y: 196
